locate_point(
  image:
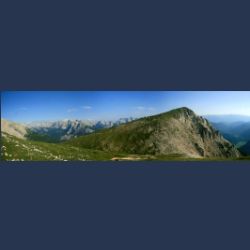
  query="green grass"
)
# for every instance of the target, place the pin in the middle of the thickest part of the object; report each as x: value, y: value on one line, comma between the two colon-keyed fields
x: 129, y: 139
x: 18, y: 149
x: 33, y: 136
x: 136, y: 137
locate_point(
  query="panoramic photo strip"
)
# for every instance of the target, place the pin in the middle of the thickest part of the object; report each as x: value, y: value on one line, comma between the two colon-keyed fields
x: 125, y: 125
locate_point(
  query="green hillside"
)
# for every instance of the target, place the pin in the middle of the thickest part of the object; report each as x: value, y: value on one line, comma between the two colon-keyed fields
x: 130, y: 138
x: 177, y: 132
x: 127, y: 138
x: 18, y: 149
x: 15, y: 149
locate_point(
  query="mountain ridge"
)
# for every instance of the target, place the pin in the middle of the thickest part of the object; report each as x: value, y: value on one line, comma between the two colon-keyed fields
x: 179, y: 131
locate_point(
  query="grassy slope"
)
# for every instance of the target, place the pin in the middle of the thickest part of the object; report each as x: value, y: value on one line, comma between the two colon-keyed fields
x: 13, y: 148
x: 33, y: 136
x: 19, y: 149
x: 121, y: 139
x: 126, y: 138
x: 133, y: 138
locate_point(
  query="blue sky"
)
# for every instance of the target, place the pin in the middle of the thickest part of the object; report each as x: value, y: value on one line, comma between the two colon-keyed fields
x: 27, y: 106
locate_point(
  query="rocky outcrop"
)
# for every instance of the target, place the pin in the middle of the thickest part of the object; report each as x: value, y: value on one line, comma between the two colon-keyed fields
x: 186, y: 133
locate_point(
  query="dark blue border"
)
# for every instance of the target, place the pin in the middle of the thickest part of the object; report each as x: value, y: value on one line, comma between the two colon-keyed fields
x: 124, y: 45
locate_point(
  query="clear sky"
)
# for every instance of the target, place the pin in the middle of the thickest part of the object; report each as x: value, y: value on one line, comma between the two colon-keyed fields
x: 27, y: 106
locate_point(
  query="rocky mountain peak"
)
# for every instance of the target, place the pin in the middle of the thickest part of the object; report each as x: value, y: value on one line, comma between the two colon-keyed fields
x: 177, y: 132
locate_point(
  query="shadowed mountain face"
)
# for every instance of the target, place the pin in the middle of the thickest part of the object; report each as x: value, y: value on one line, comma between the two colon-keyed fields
x: 245, y: 149
x: 179, y: 131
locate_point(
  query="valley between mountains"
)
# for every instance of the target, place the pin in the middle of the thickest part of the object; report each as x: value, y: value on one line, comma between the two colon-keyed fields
x: 178, y: 134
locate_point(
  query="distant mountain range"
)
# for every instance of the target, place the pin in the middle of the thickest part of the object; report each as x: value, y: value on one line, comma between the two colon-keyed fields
x: 237, y: 133
x: 227, y: 118
x: 55, y: 131
x: 234, y: 128
x: 177, y: 134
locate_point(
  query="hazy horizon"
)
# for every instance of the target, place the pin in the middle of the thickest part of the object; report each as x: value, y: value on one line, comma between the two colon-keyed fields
x: 30, y: 106
x: 94, y: 120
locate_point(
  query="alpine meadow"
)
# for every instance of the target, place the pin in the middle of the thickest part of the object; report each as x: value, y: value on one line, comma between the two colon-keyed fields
x: 125, y: 125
